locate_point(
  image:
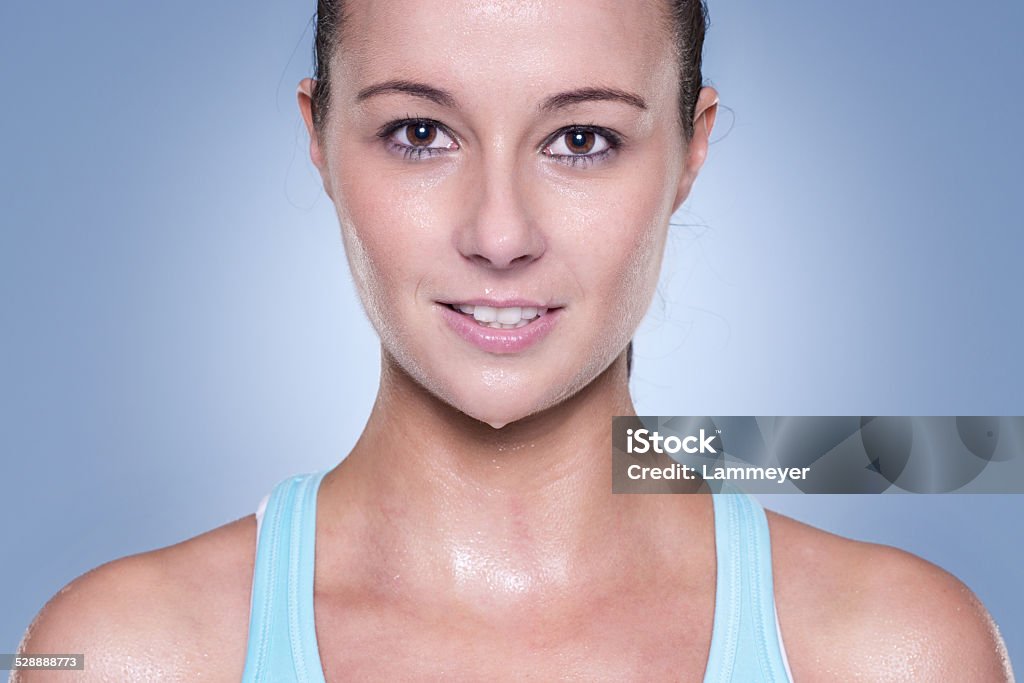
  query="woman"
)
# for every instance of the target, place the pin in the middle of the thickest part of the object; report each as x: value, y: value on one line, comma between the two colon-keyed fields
x: 504, y: 173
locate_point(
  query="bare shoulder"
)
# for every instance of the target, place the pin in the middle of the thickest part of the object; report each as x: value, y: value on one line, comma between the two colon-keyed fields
x: 854, y: 610
x: 175, y: 613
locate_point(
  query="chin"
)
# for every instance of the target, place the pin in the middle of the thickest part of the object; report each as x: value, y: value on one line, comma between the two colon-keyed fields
x: 499, y: 407
x: 499, y: 417
x: 502, y: 404
x: 500, y: 396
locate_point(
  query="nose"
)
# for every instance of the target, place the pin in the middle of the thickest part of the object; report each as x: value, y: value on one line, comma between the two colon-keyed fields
x: 497, y: 228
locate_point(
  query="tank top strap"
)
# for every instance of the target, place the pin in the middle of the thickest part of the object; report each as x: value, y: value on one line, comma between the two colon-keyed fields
x: 282, y: 633
x: 746, y: 643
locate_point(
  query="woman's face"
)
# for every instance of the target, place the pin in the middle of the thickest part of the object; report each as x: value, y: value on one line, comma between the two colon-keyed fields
x: 522, y: 154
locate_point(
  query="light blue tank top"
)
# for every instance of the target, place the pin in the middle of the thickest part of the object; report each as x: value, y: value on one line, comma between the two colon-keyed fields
x: 746, y: 644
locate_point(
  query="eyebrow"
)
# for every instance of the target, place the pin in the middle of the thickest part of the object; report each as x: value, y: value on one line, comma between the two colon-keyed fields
x: 552, y: 103
x: 571, y: 97
x: 427, y: 92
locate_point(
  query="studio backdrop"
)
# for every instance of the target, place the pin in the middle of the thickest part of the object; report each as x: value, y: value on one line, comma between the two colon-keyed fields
x: 179, y: 326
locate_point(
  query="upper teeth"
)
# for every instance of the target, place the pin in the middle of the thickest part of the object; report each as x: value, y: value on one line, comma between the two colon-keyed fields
x: 512, y: 315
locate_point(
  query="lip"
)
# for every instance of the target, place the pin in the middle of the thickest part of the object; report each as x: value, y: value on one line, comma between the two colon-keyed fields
x: 498, y: 341
x: 503, y: 303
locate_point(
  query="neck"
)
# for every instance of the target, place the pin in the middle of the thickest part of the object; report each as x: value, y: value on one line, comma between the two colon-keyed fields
x: 450, y: 507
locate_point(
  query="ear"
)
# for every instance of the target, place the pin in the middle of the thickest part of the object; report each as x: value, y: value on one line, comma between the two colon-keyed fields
x: 697, y: 149
x: 316, y: 155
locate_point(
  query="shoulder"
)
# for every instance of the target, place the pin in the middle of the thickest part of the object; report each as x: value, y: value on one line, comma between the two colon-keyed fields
x: 851, y: 609
x: 167, y: 614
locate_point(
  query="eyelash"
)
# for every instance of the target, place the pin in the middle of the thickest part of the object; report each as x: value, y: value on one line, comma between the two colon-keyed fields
x: 408, y: 151
x: 584, y: 160
x: 573, y: 160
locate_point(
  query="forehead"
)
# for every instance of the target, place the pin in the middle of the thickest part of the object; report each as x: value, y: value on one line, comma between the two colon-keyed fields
x: 507, y: 48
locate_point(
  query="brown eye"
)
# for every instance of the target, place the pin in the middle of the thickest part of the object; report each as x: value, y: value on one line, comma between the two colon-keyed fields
x: 581, y: 145
x: 580, y: 141
x: 420, y: 134
x: 417, y: 139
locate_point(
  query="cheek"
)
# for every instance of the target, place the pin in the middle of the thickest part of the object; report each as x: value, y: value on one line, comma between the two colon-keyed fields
x: 390, y: 227
x: 613, y: 238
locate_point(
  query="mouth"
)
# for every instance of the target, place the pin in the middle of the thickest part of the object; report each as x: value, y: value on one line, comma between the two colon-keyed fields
x: 501, y: 318
x: 500, y: 329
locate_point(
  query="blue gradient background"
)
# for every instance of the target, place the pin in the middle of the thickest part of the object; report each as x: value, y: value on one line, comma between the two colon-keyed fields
x: 180, y: 330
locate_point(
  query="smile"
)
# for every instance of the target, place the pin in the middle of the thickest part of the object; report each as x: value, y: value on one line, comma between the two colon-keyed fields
x: 509, y: 318
x: 500, y: 329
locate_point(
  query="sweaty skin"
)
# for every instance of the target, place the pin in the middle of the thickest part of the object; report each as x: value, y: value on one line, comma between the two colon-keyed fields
x: 497, y: 217
x: 471, y: 532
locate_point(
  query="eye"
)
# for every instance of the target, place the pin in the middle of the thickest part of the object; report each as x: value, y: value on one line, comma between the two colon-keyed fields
x: 578, y: 142
x: 414, y: 138
x: 421, y: 134
x: 581, y: 145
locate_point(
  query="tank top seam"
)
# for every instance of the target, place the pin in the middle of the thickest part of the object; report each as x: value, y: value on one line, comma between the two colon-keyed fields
x: 294, y: 565
x: 757, y: 574
x: 268, y: 596
x: 728, y: 586
x: 309, y: 663
x: 263, y: 616
x: 254, y: 615
x: 763, y: 584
